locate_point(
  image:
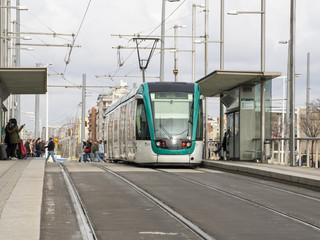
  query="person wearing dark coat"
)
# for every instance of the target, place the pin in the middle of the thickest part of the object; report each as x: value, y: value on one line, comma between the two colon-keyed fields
x: 27, y: 146
x: 14, y: 137
x: 50, y: 147
x: 87, y: 152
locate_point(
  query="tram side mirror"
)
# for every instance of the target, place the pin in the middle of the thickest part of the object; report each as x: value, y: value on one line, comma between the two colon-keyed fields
x: 202, y: 97
x: 138, y: 96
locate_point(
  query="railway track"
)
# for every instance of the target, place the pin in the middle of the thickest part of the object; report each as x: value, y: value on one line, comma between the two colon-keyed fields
x: 255, y: 203
x: 85, y: 224
x: 194, y: 228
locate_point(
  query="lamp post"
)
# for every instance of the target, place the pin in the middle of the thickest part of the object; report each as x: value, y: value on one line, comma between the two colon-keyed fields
x: 163, y: 19
x: 175, y: 70
x: 292, y: 80
x: 194, y: 6
x: 262, y: 69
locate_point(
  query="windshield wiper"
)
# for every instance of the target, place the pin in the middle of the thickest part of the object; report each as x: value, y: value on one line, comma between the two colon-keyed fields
x: 165, y: 131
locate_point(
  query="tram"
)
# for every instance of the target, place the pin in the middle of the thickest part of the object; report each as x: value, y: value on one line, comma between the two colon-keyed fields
x: 158, y: 123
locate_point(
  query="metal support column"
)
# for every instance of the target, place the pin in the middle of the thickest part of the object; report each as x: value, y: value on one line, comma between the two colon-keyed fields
x: 292, y: 82
x: 263, y: 86
x: 83, y: 112
x: 221, y: 67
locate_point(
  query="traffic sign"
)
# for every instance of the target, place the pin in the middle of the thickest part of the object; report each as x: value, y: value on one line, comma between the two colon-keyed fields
x: 56, y: 140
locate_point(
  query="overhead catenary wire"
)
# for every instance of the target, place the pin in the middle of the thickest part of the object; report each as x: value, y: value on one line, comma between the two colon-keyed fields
x: 68, y: 59
x: 117, y: 70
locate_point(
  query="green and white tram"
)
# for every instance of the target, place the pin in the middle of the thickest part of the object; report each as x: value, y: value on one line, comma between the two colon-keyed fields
x: 157, y: 123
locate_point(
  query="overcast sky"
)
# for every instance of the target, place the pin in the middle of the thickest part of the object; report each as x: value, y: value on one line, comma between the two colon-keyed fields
x: 96, y: 55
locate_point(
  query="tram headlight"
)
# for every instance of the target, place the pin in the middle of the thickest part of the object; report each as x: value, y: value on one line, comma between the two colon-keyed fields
x: 188, y: 144
x: 158, y: 144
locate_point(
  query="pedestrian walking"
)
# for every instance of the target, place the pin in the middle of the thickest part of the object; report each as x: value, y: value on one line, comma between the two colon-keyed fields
x: 101, y: 150
x: 50, y: 147
x: 95, y: 151
x: 87, y: 152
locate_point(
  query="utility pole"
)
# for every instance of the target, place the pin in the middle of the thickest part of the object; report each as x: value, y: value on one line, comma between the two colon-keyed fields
x: 263, y: 83
x: 18, y: 97
x: 83, y: 112
x: 36, y: 113
x: 221, y: 66
x: 292, y: 80
x: 206, y: 27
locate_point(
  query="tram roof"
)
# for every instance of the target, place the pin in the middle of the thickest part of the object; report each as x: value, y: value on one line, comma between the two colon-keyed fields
x: 24, y: 80
x: 220, y: 81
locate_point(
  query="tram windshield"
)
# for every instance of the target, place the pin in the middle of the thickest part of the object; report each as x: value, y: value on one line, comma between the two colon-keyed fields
x: 172, y: 114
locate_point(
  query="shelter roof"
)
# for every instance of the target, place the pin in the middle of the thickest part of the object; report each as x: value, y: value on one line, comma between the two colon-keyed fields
x: 220, y: 81
x: 24, y: 80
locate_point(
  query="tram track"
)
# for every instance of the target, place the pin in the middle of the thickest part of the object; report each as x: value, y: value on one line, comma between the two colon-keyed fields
x: 252, y: 202
x: 269, y: 187
x: 180, y: 218
x: 85, y: 224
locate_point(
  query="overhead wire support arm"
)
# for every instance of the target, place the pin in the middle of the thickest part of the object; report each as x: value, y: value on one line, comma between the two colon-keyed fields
x: 80, y: 86
x: 153, y: 36
x: 122, y: 76
x: 47, y: 45
x: 38, y: 33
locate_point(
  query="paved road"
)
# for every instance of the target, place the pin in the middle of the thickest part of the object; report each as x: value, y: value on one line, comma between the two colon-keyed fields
x: 224, y: 205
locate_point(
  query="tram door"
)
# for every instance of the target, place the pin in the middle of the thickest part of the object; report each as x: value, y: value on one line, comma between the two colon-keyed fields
x: 233, y: 135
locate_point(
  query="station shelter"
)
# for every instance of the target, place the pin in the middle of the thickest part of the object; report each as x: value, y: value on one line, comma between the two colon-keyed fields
x: 240, y: 93
x: 19, y: 80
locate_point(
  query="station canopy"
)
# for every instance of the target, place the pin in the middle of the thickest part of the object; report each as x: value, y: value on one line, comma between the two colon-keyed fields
x: 220, y: 81
x: 24, y: 80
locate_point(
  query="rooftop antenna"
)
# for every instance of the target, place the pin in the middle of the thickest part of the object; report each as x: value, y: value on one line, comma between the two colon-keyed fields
x: 143, y: 63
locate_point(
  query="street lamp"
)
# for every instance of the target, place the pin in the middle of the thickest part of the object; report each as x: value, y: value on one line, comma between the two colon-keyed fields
x: 175, y: 70
x: 22, y: 8
x: 163, y: 19
x: 262, y: 98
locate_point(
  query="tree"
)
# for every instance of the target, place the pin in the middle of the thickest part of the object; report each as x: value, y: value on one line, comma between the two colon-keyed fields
x: 311, y: 128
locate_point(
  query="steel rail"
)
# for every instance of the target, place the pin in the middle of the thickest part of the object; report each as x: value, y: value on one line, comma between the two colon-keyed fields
x: 85, y: 224
x: 296, y: 219
x: 162, y: 205
x: 270, y: 187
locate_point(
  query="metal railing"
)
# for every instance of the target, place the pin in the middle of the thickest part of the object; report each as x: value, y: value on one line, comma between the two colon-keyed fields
x: 279, y: 151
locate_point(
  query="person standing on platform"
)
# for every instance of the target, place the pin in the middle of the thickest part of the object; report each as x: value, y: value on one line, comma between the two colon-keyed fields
x: 50, y: 147
x: 42, y: 147
x: 14, y: 137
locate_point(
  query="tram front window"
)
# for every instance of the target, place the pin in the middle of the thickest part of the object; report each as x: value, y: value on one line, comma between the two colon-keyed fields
x: 172, y: 114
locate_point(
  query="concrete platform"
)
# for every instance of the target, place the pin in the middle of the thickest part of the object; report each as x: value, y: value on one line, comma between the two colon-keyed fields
x: 309, y: 177
x: 21, y: 190
x: 21, y: 185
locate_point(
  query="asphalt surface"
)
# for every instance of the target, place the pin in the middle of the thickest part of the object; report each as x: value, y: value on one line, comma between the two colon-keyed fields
x: 35, y: 202
x: 227, y: 217
x: 119, y: 212
x: 58, y: 220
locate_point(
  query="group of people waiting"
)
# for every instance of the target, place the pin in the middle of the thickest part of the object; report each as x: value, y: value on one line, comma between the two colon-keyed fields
x: 35, y: 147
x: 95, y: 150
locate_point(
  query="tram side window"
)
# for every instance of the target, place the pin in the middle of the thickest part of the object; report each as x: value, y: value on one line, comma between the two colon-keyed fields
x: 200, y: 123
x: 141, y: 122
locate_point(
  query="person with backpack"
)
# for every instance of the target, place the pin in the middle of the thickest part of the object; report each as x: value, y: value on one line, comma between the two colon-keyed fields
x: 87, y: 152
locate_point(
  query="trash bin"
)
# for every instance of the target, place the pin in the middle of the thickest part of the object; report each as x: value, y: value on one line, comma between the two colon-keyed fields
x: 267, y: 149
